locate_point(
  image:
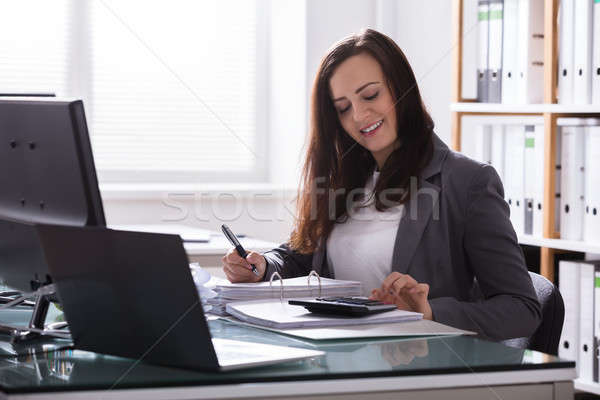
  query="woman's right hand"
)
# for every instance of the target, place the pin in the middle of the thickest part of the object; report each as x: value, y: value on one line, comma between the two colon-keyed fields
x: 238, y: 269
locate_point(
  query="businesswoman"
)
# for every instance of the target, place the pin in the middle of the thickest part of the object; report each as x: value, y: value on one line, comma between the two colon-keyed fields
x: 384, y: 201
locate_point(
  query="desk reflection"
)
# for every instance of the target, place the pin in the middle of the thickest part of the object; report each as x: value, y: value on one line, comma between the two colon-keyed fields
x: 403, y: 353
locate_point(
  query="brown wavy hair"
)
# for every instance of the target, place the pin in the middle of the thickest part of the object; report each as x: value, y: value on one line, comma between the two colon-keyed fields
x: 333, y: 158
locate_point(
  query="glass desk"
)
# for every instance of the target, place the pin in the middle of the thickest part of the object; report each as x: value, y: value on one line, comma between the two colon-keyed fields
x: 433, y: 367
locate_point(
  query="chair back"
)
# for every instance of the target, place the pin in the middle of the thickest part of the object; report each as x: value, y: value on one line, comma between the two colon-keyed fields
x: 547, y: 336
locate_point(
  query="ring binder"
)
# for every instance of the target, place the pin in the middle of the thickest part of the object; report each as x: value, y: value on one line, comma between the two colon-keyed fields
x: 314, y: 273
x: 273, y: 275
x: 281, y: 290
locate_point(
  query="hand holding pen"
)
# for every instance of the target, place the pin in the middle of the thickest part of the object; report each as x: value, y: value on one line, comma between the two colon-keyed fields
x: 239, y: 265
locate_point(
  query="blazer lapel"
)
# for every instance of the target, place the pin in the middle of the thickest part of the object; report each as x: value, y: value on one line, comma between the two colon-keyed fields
x: 418, y: 210
x: 417, y: 213
x: 317, y: 260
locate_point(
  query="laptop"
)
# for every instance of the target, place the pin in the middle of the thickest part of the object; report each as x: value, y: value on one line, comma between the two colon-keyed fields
x: 131, y: 294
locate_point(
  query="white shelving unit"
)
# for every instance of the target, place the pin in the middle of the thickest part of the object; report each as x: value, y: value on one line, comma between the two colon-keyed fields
x: 549, y: 112
x: 560, y: 244
x: 590, y: 387
x: 536, y: 109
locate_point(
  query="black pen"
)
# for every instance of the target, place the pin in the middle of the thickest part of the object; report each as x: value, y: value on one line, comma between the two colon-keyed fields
x: 238, y: 247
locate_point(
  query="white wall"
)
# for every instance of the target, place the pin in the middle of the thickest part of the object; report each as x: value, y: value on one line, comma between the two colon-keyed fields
x: 287, y: 90
x: 330, y: 21
x: 423, y: 32
x: 300, y: 33
x: 262, y: 214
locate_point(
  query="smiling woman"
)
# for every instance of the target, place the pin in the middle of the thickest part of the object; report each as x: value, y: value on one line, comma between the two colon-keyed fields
x: 367, y: 113
x: 385, y: 202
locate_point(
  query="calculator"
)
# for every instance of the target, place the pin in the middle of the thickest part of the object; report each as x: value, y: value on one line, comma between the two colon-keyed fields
x: 349, y: 306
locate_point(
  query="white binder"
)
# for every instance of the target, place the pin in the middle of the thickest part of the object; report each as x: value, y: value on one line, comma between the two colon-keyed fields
x: 482, y: 151
x: 565, y: 52
x: 510, y: 43
x: 596, y: 55
x: 568, y: 284
x: 586, y: 320
x: 483, y: 15
x: 530, y: 178
x: 495, y: 51
x: 582, y: 81
x: 498, y: 146
x: 530, y: 59
x: 596, y: 325
x: 514, y: 175
x: 591, y: 222
x: 572, y: 177
x: 538, y: 182
x: 557, y: 172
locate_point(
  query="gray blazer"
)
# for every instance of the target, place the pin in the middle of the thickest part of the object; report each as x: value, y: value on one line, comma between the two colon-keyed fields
x: 456, y: 232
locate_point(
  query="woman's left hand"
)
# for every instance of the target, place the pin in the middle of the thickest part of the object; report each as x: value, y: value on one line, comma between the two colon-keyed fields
x: 406, y: 293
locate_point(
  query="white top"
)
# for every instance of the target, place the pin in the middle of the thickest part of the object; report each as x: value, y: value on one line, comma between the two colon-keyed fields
x: 361, y: 248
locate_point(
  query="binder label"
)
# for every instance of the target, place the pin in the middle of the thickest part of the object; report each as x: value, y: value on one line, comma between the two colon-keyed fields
x: 497, y: 14
x: 530, y: 142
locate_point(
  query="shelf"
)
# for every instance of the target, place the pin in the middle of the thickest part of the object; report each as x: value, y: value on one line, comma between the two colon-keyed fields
x: 560, y: 244
x: 495, y: 108
x: 590, y: 387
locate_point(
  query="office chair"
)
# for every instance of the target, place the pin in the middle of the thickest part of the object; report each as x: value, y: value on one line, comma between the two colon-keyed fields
x: 547, y: 336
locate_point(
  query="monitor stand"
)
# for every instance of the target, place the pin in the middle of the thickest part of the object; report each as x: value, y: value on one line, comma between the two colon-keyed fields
x: 37, y: 324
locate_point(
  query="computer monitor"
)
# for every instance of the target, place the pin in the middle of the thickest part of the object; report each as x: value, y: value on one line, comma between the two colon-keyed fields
x: 47, y: 175
x: 47, y: 171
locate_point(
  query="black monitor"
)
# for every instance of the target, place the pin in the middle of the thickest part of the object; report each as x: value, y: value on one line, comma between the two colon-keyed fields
x: 47, y: 171
x: 47, y: 175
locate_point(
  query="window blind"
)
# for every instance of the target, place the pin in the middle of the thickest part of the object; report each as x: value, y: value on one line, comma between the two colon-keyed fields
x: 174, y: 90
x: 34, y: 45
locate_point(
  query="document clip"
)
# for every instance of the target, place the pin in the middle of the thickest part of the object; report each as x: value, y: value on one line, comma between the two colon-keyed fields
x: 281, y: 289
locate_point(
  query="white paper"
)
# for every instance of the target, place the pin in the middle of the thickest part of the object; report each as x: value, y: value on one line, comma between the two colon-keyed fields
x: 421, y: 327
x: 280, y: 314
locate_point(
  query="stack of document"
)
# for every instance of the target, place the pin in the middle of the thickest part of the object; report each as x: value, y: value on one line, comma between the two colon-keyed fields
x: 281, y: 315
x: 227, y: 292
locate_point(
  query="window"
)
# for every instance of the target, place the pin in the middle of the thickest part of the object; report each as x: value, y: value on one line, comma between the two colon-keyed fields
x: 34, y: 46
x: 174, y: 90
